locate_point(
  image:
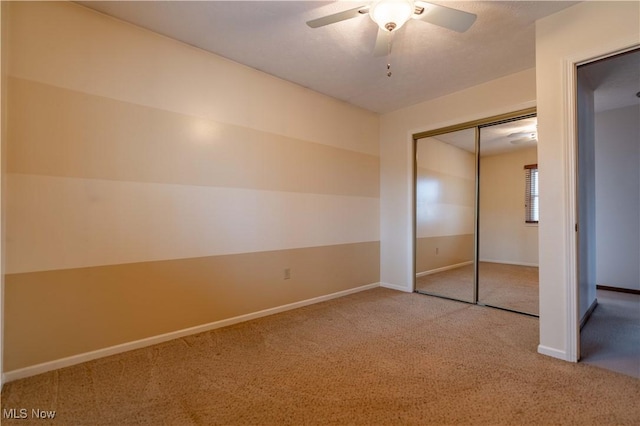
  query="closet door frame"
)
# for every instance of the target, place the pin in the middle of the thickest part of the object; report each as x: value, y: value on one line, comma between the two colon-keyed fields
x: 475, y: 124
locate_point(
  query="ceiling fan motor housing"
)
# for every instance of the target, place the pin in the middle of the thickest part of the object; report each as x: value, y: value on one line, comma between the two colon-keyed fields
x: 390, y: 15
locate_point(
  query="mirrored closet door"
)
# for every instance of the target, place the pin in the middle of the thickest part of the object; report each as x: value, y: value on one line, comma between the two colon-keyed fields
x: 476, y: 235
x: 445, y: 188
x: 508, y: 216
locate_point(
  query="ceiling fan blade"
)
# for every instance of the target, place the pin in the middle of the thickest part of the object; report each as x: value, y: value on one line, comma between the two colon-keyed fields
x: 337, y: 17
x: 383, y: 43
x: 453, y: 19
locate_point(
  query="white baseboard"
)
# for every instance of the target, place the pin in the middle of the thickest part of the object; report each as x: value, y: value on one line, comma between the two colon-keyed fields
x: 587, y: 314
x: 396, y: 287
x: 552, y: 352
x: 444, y: 268
x: 508, y: 262
x: 33, y: 370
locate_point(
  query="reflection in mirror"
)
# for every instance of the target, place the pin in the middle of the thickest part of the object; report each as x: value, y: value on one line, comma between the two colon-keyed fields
x: 508, y: 238
x: 445, y: 215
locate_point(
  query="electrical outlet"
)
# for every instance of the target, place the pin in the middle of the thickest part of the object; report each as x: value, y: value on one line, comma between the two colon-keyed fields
x: 437, y: 250
x: 287, y: 274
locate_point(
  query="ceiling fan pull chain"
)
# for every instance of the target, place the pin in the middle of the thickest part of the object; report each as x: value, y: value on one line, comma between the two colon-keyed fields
x: 389, y: 56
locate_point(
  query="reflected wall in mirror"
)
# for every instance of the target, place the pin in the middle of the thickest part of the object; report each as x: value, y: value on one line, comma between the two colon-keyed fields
x: 445, y: 215
x: 508, y: 243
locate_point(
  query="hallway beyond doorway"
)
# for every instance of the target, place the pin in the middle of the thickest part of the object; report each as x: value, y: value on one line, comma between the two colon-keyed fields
x: 611, y: 337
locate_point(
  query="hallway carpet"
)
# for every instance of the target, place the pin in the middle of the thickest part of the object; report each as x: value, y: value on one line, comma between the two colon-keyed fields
x: 611, y: 337
x: 376, y: 357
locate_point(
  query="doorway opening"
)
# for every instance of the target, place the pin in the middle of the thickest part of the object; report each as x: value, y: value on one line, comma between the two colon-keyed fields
x: 608, y: 206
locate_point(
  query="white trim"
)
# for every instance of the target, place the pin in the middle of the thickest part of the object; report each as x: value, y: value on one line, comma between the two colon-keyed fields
x: 444, y: 268
x: 396, y: 287
x: 32, y: 370
x: 570, y: 98
x: 587, y: 314
x: 552, y: 352
x: 569, y: 108
x: 508, y: 262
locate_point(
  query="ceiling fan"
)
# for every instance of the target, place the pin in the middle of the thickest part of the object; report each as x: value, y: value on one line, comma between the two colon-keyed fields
x: 391, y: 15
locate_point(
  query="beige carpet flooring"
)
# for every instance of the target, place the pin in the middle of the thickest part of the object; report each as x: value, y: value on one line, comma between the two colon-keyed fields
x: 454, y: 283
x: 373, y: 358
x: 506, y: 286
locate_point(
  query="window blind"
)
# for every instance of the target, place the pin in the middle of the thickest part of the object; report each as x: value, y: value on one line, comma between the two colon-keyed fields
x: 531, y: 193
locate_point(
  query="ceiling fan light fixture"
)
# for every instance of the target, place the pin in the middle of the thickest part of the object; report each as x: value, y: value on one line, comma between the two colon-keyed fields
x: 390, y: 15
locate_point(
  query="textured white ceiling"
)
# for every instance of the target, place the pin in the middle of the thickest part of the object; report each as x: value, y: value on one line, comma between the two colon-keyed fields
x: 495, y: 139
x: 427, y: 61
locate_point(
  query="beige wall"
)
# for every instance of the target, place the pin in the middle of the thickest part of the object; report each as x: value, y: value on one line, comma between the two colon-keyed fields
x: 445, y: 189
x: 504, y: 235
x: 154, y: 187
x: 445, y: 204
x: 438, y: 253
x: 102, y: 306
x: 3, y: 141
x: 580, y: 33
